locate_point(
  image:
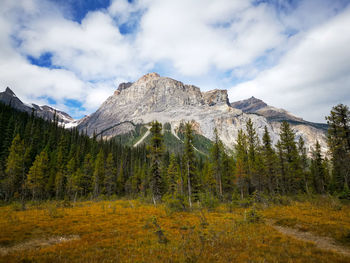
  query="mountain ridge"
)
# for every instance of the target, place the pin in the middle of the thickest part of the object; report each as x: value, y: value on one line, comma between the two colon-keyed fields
x: 166, y: 100
x: 8, y: 97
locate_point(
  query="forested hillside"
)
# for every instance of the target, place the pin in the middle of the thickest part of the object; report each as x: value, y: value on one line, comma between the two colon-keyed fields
x: 41, y: 160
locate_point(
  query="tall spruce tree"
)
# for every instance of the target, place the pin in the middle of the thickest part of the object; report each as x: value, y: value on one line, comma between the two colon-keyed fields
x: 216, y: 163
x: 156, y: 149
x: 339, y: 145
x: 290, y: 159
x: 304, y: 165
x: 99, y: 173
x: 190, y: 166
x: 254, y: 159
x: 110, y: 175
x: 173, y: 176
x: 15, y: 169
x: 318, y: 172
x: 241, y: 171
x: 269, y: 158
x: 37, y: 176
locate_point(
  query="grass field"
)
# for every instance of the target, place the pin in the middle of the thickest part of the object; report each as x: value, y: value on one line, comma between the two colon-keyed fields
x: 131, y: 231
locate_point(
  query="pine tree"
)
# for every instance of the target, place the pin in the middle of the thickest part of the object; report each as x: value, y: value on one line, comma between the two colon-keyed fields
x: 269, y: 158
x: 99, y: 173
x: 318, y: 172
x: 37, y: 176
x: 241, y: 170
x: 290, y: 159
x: 216, y: 163
x: 110, y: 177
x: 15, y: 167
x: 120, y: 179
x: 304, y: 167
x: 156, y: 155
x: 173, y: 176
x: 254, y: 160
x: 339, y: 145
x: 190, y: 166
x: 70, y: 178
x: 87, y: 174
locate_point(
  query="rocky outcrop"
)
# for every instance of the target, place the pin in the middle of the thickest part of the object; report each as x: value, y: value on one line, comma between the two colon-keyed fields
x: 8, y: 97
x: 153, y: 97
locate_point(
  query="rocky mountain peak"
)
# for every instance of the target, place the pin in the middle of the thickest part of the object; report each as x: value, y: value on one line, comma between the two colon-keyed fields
x: 9, y: 92
x: 46, y: 112
x: 148, y: 77
x: 250, y: 105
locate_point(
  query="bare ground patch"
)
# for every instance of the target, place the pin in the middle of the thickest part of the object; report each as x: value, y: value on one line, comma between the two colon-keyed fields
x: 325, y: 243
x: 37, y: 244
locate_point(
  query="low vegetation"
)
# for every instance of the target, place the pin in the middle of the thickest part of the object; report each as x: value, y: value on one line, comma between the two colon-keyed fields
x: 134, y: 231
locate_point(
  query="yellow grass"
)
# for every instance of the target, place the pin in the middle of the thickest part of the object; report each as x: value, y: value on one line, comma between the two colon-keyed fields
x: 128, y: 231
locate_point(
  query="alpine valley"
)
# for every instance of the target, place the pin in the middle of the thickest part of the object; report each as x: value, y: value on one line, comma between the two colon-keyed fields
x: 126, y: 115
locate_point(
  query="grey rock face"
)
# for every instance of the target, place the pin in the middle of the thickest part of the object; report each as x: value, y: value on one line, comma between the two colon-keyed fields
x: 153, y: 97
x: 8, y: 97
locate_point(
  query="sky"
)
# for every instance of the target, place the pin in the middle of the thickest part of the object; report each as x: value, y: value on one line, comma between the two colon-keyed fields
x: 72, y: 54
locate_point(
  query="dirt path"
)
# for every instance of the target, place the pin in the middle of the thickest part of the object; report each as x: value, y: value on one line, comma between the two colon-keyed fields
x: 325, y: 243
x: 36, y: 244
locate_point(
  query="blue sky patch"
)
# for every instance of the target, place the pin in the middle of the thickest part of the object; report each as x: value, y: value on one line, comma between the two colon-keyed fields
x: 79, y: 8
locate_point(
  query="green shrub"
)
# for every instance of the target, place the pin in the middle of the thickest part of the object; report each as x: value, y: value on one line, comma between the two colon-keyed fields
x: 209, y: 201
x: 177, y: 203
x: 253, y: 216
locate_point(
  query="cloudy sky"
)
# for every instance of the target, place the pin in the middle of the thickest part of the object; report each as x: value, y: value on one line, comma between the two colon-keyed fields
x: 72, y: 54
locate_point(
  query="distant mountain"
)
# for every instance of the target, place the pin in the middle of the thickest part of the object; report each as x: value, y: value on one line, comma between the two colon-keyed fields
x: 272, y: 114
x: 171, y: 102
x: 46, y: 112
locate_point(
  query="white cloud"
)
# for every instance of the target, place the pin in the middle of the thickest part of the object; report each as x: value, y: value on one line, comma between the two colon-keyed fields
x: 225, y: 34
x: 312, y: 77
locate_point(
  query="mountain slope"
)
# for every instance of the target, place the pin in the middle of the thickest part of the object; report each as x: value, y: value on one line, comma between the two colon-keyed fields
x: 153, y: 97
x: 8, y: 97
x: 272, y: 114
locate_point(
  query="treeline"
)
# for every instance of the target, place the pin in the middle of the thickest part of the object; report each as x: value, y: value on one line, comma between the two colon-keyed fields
x: 40, y: 160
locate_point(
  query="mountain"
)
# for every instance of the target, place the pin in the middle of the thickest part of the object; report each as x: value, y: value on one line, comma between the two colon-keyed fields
x: 272, y: 114
x: 46, y: 112
x: 171, y: 102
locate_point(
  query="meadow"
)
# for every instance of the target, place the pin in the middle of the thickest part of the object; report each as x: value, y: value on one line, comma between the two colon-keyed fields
x: 134, y: 231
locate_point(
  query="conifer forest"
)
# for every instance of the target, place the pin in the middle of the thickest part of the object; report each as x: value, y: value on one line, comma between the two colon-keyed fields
x: 39, y: 160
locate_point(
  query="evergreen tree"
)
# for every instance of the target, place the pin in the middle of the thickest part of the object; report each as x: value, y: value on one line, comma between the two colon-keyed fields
x: 216, y: 162
x: 110, y: 177
x: 156, y: 155
x: 15, y: 168
x: 254, y: 160
x: 37, y: 176
x: 339, y: 145
x: 318, y: 171
x: 242, y: 162
x: 290, y: 158
x: 87, y: 174
x: 70, y: 178
x: 99, y: 173
x: 304, y: 167
x: 190, y: 166
x: 269, y: 158
x: 120, y: 179
x: 173, y: 176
